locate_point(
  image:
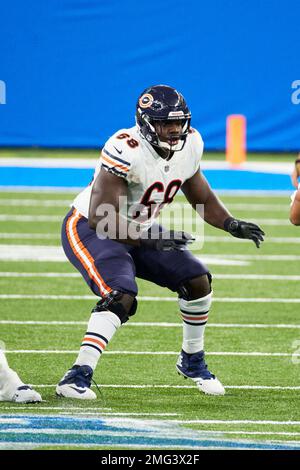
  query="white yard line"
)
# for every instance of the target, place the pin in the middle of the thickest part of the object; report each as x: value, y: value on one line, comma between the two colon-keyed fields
x: 236, y: 421
x: 152, y: 324
x: 39, y: 275
x: 31, y: 218
x: 154, y: 353
x: 205, y: 238
x: 228, y: 239
x: 152, y: 386
x: 55, y: 408
x: 148, y: 298
x: 67, y: 202
x: 252, y: 433
x: 259, y: 207
x: 253, y: 277
x: 166, y: 218
x: 12, y: 420
x: 75, y: 410
x: 261, y: 257
x: 38, y: 202
x: 59, y: 218
x: 253, y: 193
x: 29, y: 236
x: 37, y: 253
x: 12, y: 252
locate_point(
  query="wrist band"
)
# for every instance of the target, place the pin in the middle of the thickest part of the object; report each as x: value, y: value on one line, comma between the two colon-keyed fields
x: 227, y: 222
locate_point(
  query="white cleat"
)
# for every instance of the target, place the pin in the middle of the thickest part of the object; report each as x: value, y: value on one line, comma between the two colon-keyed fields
x: 71, y: 391
x: 26, y: 394
x: 76, y: 384
x: 193, y: 366
x: 210, y: 386
x: 11, y: 386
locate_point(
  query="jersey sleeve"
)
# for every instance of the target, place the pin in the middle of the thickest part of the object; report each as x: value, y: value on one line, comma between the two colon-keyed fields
x: 117, y: 157
x: 197, y: 150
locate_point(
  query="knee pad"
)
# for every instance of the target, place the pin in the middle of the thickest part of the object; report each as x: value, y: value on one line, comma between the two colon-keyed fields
x: 113, y: 303
x: 200, y: 306
x: 185, y: 289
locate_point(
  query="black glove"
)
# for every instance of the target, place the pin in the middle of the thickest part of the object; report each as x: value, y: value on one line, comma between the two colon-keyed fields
x: 167, y: 241
x: 240, y: 229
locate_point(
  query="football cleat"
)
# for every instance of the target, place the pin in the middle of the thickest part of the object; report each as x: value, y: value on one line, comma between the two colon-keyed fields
x: 26, y: 394
x: 193, y: 366
x: 76, y: 383
x: 13, y: 389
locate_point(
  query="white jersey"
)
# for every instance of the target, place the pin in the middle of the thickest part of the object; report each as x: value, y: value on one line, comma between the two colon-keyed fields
x: 151, y: 179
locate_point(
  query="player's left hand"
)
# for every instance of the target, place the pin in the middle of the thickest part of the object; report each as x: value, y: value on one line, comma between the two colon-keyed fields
x: 177, y: 240
x: 296, y: 172
x: 241, y: 229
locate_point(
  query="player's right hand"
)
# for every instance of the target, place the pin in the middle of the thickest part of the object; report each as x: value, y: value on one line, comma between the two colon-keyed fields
x: 169, y: 240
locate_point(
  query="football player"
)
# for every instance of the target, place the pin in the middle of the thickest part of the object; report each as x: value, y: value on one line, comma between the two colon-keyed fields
x: 146, y: 164
x: 295, y: 205
x: 11, y: 386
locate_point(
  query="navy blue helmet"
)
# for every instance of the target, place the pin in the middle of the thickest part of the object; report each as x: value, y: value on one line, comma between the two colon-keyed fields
x: 162, y: 103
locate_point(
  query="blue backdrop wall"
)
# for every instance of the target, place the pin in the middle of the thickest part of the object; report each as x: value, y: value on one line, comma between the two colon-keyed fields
x: 72, y: 69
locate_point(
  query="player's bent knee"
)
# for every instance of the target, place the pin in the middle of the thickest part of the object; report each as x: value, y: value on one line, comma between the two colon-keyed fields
x: 121, y: 304
x: 195, y: 288
x: 201, y: 305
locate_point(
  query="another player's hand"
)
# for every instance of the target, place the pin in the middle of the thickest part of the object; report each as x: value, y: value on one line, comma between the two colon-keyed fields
x: 296, y: 172
x: 241, y: 229
x: 167, y: 241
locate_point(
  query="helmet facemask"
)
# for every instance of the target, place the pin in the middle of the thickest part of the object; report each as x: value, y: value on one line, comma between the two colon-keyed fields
x: 149, y: 131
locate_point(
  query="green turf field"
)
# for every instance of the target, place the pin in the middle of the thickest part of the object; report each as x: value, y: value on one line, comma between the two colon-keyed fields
x: 252, y: 338
x: 94, y: 153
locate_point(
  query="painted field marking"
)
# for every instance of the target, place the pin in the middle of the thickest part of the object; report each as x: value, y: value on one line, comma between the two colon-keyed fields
x: 22, y: 274
x: 282, y: 222
x: 259, y: 433
x: 261, y: 257
x: 67, y: 202
x: 250, y: 277
x: 37, y: 202
x: 75, y: 410
x: 228, y: 239
x: 12, y: 252
x: 149, y: 298
x: 158, y: 433
x: 236, y: 421
x: 153, y: 353
x: 29, y: 236
x: 152, y: 324
x: 206, y: 238
x: 31, y: 218
x: 13, y: 420
x: 259, y: 207
x: 152, y: 386
x: 59, y: 218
